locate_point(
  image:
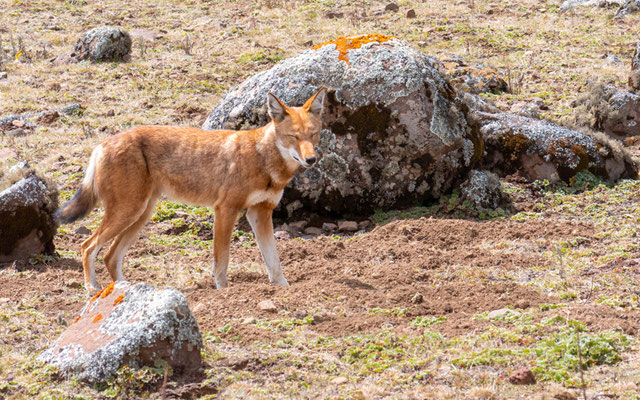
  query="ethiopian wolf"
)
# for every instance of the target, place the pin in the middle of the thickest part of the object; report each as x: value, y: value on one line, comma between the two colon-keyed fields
x: 227, y: 170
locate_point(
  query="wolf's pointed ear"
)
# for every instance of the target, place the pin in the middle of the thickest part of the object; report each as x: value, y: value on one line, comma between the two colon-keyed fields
x: 315, y: 104
x: 277, y: 109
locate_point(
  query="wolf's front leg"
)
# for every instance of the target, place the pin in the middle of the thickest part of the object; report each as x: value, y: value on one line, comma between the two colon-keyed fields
x: 223, y: 221
x: 259, y: 216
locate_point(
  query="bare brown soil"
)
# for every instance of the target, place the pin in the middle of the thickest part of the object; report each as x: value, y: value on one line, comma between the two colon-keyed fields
x: 399, y: 266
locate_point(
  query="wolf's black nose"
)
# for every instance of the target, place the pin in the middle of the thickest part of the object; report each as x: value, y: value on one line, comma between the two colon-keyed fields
x: 310, y: 160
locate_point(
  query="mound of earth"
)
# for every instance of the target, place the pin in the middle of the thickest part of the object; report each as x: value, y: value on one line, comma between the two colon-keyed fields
x: 386, y: 269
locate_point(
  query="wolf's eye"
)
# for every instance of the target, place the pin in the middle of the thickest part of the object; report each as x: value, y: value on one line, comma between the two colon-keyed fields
x: 293, y: 136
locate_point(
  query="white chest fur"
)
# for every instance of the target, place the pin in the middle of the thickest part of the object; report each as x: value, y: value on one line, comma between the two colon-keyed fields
x: 261, y: 196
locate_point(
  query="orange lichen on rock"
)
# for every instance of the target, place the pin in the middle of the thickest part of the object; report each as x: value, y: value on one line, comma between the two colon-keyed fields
x: 77, y: 319
x: 346, y: 43
x: 95, y: 297
x: 107, y: 291
x: 118, y: 300
x: 97, y: 318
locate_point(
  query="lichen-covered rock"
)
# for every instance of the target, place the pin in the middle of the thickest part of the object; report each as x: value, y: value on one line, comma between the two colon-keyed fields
x: 541, y: 150
x: 100, y: 44
x: 484, y: 191
x: 616, y: 113
x: 395, y: 133
x: 127, y: 324
x: 27, y: 225
x: 475, y: 78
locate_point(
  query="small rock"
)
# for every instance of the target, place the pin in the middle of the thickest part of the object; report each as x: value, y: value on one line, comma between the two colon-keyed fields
x: 267, y: 305
x: 3, y: 75
x: 362, y: 225
x: 298, y: 225
x: 74, y: 284
x: 610, y: 58
x: 18, y: 132
x: 417, y: 298
x: 341, y: 380
x: 4, y: 300
x: 111, y: 113
x: 348, y: 226
x: 565, y: 396
x: 71, y: 109
x: 411, y: 13
x: 501, y: 312
x: 198, y: 307
x: 100, y: 44
x: 60, y: 320
x: 83, y: 230
x: 329, y: 227
x: 484, y: 190
x: 313, y: 231
x: 392, y: 7
x: 18, y: 123
x: 523, y: 376
x: 282, y: 235
x: 333, y: 14
x: 248, y: 321
x: 49, y: 117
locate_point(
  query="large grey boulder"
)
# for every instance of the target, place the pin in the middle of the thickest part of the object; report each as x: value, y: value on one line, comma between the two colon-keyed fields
x: 539, y: 149
x: 395, y: 133
x: 27, y: 226
x: 100, y: 44
x: 127, y: 324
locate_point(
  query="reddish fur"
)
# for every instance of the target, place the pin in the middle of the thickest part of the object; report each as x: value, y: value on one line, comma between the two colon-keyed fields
x: 220, y: 169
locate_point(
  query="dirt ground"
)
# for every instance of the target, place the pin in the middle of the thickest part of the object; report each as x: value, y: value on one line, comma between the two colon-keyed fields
x: 384, y: 268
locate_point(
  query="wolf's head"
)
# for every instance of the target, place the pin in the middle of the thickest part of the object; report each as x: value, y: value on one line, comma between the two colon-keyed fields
x: 298, y: 128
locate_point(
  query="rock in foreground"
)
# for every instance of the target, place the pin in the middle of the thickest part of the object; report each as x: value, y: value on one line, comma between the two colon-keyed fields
x: 395, y: 135
x: 27, y: 225
x: 131, y: 325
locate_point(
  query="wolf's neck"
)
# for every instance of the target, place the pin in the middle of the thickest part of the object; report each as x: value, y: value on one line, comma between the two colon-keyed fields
x: 280, y: 165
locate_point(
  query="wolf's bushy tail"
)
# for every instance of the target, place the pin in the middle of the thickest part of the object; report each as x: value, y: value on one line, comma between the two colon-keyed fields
x: 85, y: 198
